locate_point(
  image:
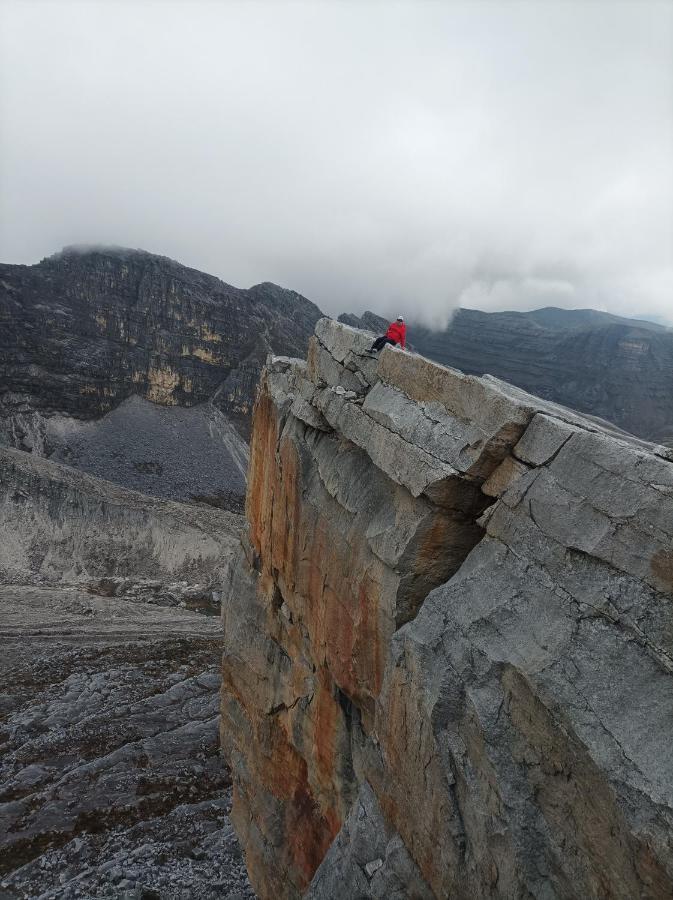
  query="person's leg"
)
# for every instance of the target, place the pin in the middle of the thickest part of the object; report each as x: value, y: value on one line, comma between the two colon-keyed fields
x: 380, y: 343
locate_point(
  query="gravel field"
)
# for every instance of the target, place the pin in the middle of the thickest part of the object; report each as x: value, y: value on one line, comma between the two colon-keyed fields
x: 173, y: 452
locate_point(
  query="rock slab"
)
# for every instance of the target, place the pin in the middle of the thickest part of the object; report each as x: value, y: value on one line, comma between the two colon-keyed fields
x: 448, y: 665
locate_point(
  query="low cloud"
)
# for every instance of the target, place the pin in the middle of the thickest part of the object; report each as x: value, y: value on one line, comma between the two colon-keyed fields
x: 407, y: 157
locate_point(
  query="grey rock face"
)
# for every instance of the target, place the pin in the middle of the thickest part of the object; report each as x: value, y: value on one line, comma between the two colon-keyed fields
x: 368, y: 859
x: 507, y: 734
x: 88, y: 327
x: 616, y: 368
x: 139, y: 370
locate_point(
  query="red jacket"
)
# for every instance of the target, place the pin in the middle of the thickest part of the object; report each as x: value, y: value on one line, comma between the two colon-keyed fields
x: 397, y: 331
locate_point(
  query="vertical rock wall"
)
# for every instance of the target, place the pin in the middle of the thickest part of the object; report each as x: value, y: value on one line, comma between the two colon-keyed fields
x: 87, y: 328
x: 448, y: 639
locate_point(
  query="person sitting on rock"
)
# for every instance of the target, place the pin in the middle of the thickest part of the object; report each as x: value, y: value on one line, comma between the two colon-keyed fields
x: 396, y: 334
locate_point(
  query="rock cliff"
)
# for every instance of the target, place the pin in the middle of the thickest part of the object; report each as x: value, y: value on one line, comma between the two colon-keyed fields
x: 86, y: 328
x: 609, y: 366
x: 448, y: 665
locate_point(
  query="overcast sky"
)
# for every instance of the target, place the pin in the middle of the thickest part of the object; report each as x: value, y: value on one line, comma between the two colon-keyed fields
x: 401, y: 157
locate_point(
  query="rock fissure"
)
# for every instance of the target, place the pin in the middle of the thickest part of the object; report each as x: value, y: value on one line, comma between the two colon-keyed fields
x: 550, y: 459
x: 425, y: 454
x: 661, y: 654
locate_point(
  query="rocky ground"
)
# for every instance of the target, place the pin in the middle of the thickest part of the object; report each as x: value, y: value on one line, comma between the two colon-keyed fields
x: 111, y: 781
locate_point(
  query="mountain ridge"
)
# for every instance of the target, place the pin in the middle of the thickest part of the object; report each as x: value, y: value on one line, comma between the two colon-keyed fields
x: 619, y: 369
x: 91, y: 325
x: 85, y: 328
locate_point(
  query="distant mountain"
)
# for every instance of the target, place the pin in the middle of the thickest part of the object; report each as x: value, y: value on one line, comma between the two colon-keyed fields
x: 83, y: 330
x: 565, y: 319
x: 88, y: 328
x: 617, y: 368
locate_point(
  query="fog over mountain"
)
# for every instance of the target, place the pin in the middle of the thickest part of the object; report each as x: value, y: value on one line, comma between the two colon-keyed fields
x: 409, y: 156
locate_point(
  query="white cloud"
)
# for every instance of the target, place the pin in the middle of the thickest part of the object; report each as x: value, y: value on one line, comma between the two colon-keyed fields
x: 404, y: 156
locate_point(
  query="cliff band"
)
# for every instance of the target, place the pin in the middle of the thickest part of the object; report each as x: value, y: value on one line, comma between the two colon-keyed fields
x: 87, y: 328
x: 448, y: 666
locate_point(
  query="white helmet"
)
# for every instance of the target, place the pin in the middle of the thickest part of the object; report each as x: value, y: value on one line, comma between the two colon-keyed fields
x: 400, y: 318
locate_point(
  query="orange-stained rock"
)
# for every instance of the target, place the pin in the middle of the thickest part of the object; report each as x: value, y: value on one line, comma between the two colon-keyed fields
x: 338, y: 557
x: 448, y: 663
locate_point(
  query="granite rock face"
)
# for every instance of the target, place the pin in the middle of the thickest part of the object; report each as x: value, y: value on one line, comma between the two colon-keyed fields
x: 448, y: 665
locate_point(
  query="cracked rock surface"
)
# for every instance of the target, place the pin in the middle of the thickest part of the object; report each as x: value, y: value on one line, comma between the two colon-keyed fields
x: 448, y: 664
x: 111, y: 780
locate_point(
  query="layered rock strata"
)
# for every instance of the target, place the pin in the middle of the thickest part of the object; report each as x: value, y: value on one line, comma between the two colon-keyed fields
x: 606, y: 365
x: 448, y: 665
x: 88, y: 327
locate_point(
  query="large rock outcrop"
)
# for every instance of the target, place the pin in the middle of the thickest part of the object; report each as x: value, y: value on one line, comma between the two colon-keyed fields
x: 448, y: 665
x: 606, y: 365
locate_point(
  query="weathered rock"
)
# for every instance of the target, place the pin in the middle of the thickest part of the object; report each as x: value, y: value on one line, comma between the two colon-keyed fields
x: 452, y: 611
x: 110, y: 752
x: 323, y: 368
x: 86, y: 328
x: 141, y: 371
x: 605, y: 365
x: 109, y: 690
x: 178, y: 453
x: 59, y: 525
x: 368, y: 859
